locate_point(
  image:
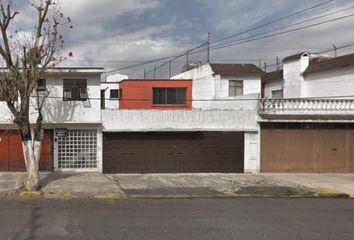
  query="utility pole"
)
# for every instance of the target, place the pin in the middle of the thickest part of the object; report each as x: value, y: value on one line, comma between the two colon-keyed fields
x: 260, y: 63
x: 187, y: 58
x: 144, y: 73
x: 265, y: 66
x: 170, y: 68
x: 208, y: 50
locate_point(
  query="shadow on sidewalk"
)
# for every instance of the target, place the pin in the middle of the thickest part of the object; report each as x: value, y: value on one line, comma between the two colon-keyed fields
x: 51, y: 177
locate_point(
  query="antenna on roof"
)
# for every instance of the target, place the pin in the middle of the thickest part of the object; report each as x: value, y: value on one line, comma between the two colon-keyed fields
x: 277, y: 63
x: 170, y: 68
x: 335, y: 50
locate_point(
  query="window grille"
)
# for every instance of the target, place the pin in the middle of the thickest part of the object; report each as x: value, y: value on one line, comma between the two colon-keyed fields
x: 75, y: 90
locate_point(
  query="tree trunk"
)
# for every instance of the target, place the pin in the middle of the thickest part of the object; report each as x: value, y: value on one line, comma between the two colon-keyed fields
x: 32, y: 152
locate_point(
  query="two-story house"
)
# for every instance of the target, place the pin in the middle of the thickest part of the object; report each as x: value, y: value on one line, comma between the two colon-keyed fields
x: 203, y: 120
x: 307, y: 116
x: 72, y: 123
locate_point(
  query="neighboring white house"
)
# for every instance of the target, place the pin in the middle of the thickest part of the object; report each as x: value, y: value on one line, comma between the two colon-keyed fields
x: 72, y: 121
x: 221, y: 85
x: 307, y: 75
x: 310, y: 128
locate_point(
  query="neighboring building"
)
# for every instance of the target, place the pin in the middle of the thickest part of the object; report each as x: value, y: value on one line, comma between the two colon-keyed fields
x: 273, y: 85
x: 72, y: 123
x: 312, y: 128
x: 223, y: 82
x: 307, y: 75
x: 110, y: 92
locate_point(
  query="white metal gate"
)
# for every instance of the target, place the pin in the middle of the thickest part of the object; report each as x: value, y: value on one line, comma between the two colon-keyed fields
x: 77, y: 149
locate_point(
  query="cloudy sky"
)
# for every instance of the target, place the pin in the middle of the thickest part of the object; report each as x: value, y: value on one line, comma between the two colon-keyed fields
x: 118, y: 33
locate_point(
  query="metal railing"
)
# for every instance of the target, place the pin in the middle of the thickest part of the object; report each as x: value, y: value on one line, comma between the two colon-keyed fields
x: 306, y: 106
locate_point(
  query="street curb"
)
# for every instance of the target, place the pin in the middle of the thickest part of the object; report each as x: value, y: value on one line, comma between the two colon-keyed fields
x: 31, y: 194
x: 110, y: 196
x: 330, y: 193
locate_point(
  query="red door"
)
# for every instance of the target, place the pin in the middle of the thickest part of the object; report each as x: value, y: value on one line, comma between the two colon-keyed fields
x: 11, y: 153
x: 4, y: 152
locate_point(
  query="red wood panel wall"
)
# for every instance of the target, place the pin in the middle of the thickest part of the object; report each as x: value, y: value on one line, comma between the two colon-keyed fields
x: 11, y: 153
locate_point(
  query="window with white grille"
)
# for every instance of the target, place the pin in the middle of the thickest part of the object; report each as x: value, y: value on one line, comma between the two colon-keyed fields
x: 78, y: 150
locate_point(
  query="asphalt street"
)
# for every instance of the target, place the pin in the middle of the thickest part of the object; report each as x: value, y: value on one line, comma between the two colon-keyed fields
x: 217, y: 219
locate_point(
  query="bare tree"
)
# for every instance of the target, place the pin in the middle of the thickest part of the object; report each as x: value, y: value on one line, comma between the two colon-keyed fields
x: 27, y: 56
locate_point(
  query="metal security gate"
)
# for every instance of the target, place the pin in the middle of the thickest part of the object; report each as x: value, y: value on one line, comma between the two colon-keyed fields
x: 317, y: 148
x: 173, y: 152
x: 76, y: 148
x: 11, y: 153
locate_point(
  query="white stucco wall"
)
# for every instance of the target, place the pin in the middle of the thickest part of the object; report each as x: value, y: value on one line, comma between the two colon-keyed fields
x: 204, y: 85
x: 110, y: 103
x: 329, y: 83
x: 180, y: 120
x: 292, y: 79
x: 252, y: 152
x: 272, y: 86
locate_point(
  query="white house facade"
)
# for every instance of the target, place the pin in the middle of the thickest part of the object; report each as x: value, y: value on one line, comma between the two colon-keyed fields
x: 71, y: 121
x: 309, y: 128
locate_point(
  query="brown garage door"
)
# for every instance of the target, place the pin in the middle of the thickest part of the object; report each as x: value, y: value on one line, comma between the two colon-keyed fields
x: 167, y: 152
x: 320, y: 149
x: 11, y: 154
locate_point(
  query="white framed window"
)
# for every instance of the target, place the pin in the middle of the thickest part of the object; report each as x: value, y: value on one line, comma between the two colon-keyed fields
x: 41, y: 85
x: 235, y: 88
x: 75, y: 90
x: 115, y: 93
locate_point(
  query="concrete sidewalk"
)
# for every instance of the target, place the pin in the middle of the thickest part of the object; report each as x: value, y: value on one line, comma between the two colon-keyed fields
x: 118, y: 186
x: 223, y: 185
x: 64, y: 185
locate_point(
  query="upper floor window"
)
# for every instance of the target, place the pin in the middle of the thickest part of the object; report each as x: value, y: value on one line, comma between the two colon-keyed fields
x: 115, y: 93
x: 75, y: 90
x: 277, y: 94
x: 41, y: 85
x: 235, y: 88
x: 173, y: 96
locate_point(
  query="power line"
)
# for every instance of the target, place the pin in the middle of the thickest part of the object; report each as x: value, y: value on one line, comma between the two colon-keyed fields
x: 247, y: 40
x: 282, y: 33
x: 274, y: 21
x: 294, y: 24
